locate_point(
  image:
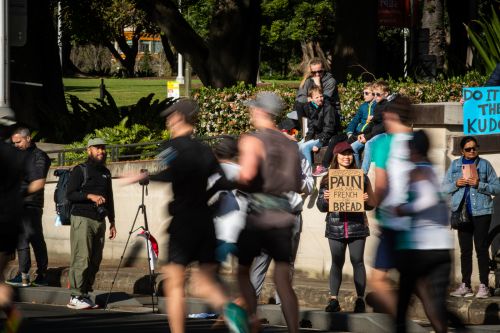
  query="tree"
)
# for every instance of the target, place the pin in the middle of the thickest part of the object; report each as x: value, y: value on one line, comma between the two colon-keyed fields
x: 295, y: 24
x: 432, y: 42
x: 229, y: 53
x: 104, y: 22
x: 38, y: 62
x: 354, y: 51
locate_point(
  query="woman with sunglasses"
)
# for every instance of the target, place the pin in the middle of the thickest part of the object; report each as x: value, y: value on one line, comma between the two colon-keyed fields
x: 472, y: 191
x: 316, y: 75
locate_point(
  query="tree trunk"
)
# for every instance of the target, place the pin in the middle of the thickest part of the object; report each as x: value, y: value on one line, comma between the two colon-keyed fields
x: 231, y: 52
x: 42, y: 108
x: 172, y: 61
x: 354, y: 50
x: 312, y: 49
x: 431, y: 38
x: 68, y: 67
x: 460, y: 12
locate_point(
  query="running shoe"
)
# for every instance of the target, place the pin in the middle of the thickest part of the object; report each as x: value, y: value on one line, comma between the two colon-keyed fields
x: 40, y: 281
x: 19, y: 281
x: 359, y: 306
x: 79, y: 303
x: 462, y: 291
x: 236, y: 318
x: 483, y: 291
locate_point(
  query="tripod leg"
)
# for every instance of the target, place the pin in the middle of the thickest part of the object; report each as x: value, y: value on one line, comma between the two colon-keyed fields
x: 122, y: 256
x: 152, y: 278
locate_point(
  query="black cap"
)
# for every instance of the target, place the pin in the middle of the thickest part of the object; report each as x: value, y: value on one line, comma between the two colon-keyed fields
x: 188, y: 107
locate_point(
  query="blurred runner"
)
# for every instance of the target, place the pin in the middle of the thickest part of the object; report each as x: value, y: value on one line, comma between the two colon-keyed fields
x: 270, y: 168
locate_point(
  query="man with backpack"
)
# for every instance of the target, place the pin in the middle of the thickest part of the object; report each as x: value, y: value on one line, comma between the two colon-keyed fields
x: 91, y: 194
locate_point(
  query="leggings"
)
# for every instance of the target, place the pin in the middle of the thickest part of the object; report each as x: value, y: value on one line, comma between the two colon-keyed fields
x: 356, y: 252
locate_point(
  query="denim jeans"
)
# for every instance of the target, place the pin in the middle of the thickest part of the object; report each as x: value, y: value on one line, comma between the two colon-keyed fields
x: 306, y: 149
x: 358, y: 147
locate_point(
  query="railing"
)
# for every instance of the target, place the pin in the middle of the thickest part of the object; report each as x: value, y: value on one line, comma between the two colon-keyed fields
x: 121, y: 152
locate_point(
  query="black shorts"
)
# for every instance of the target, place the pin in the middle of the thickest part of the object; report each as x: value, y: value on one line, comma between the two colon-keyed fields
x: 189, y: 243
x: 277, y: 243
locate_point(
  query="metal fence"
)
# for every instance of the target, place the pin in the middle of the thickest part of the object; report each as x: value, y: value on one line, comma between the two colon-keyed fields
x: 120, y: 152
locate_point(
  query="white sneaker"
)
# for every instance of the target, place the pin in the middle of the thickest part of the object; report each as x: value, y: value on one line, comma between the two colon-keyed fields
x: 92, y: 304
x: 483, y: 291
x: 79, y: 303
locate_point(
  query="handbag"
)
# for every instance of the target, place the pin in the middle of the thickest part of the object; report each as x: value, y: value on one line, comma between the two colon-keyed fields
x: 460, y: 218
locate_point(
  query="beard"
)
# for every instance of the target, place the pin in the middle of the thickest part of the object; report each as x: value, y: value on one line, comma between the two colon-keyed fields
x: 94, y: 160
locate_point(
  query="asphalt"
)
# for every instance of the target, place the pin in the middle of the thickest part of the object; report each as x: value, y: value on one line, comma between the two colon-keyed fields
x: 131, y: 293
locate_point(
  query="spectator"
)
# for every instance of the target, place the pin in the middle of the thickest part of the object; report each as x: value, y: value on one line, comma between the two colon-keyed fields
x: 315, y: 75
x: 494, y: 79
x: 14, y: 164
x: 230, y: 206
x: 321, y: 124
x: 345, y: 230
x: 423, y: 258
x: 31, y: 224
x: 364, y: 114
x: 270, y: 168
x: 473, y: 193
x: 392, y: 168
x: 374, y: 130
x: 92, y: 203
x: 357, y: 125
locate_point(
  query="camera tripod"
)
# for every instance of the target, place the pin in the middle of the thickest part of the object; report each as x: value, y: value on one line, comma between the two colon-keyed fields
x: 141, y: 209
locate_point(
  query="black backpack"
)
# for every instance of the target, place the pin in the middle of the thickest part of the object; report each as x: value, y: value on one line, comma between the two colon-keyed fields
x: 63, y: 205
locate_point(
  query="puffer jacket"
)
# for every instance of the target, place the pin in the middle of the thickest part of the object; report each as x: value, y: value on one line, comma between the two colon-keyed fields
x: 340, y: 225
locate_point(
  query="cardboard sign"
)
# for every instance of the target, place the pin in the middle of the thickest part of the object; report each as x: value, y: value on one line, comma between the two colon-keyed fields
x: 346, y: 190
x: 481, y: 110
x: 469, y: 171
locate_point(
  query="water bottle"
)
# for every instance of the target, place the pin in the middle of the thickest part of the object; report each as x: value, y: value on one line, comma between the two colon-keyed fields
x: 58, y: 221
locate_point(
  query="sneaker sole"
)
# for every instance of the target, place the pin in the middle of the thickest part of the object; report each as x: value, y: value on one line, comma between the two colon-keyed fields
x: 71, y: 306
x: 469, y: 295
x: 483, y: 297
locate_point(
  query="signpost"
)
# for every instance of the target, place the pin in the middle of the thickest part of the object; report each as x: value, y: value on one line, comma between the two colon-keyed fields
x: 481, y: 110
x: 346, y: 190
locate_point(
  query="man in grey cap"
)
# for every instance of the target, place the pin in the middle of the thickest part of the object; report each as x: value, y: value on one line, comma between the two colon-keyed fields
x: 91, y: 193
x: 270, y: 169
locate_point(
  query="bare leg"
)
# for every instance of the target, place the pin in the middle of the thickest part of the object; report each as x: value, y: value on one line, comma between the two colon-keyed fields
x: 289, y: 303
x: 247, y: 290
x: 385, y: 296
x: 207, y: 287
x: 174, y: 291
x: 6, y: 292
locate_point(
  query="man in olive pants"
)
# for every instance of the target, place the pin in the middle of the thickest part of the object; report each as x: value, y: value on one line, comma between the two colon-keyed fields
x: 90, y: 191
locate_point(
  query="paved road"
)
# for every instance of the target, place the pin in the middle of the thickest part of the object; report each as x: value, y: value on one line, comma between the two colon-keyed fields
x: 48, y: 318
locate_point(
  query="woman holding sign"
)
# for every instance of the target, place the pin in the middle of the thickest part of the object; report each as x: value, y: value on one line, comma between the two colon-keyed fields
x: 471, y: 181
x: 346, y: 228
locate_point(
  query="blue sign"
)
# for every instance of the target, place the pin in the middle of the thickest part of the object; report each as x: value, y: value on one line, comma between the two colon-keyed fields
x: 481, y: 110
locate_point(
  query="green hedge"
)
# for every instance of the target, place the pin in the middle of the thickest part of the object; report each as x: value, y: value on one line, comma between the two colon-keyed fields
x: 223, y: 112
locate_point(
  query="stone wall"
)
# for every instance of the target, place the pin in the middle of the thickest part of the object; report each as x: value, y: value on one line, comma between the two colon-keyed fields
x: 442, y: 121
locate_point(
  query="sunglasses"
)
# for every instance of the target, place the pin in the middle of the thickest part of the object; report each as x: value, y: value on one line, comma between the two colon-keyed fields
x: 317, y: 72
x: 471, y: 149
x: 366, y: 93
x: 378, y: 94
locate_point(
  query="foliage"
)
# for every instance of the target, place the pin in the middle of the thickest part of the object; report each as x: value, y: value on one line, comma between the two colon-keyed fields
x: 223, y: 111
x: 85, y: 117
x: 487, y: 39
x: 120, y: 134
x: 144, y: 66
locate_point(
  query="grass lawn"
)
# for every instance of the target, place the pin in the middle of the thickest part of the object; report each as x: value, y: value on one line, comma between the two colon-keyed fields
x: 128, y: 91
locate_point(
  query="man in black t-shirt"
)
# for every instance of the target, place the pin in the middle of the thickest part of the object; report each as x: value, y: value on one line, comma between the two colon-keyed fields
x: 188, y: 165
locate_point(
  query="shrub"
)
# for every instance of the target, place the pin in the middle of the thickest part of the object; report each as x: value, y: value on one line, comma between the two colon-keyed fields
x: 223, y: 112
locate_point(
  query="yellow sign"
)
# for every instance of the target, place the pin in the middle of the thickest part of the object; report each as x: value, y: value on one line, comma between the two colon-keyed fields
x: 346, y: 190
x: 173, y: 89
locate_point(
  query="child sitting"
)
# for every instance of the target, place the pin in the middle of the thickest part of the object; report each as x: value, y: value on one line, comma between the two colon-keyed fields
x: 321, y: 123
